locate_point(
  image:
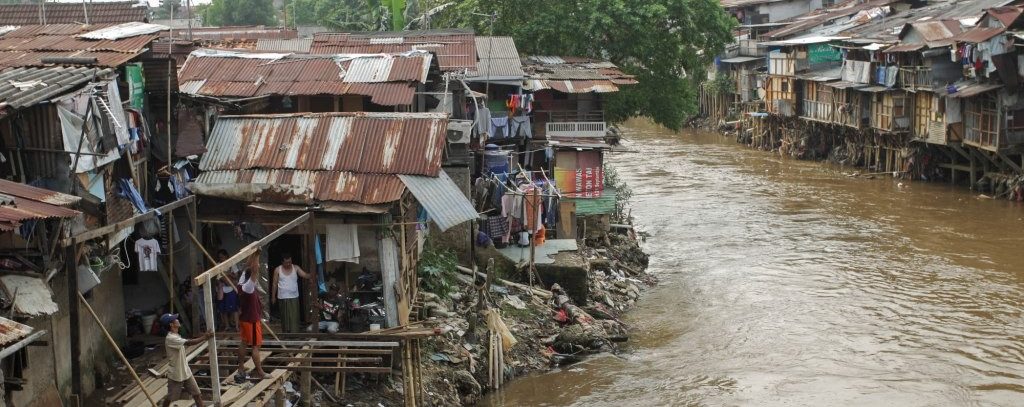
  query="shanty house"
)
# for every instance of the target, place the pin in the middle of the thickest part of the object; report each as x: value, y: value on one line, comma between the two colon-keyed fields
x: 371, y: 181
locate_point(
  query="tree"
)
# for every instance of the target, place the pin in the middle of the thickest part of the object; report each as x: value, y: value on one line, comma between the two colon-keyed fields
x: 168, y: 9
x: 239, y: 12
x: 351, y: 15
x: 667, y: 44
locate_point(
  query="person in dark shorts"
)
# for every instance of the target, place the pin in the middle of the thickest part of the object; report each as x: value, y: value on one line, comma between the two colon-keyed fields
x: 179, y: 375
x: 250, y: 319
x: 227, y: 297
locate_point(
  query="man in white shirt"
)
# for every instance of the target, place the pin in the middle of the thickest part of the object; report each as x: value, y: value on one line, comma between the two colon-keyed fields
x: 179, y: 376
x: 286, y: 292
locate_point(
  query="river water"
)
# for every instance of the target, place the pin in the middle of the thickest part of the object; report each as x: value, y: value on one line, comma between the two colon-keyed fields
x: 786, y: 283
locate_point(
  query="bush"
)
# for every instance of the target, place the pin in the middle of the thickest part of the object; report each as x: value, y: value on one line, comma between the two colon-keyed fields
x: 436, y: 271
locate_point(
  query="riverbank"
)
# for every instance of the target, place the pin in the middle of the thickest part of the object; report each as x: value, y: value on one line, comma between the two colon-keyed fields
x: 899, y: 157
x: 542, y: 328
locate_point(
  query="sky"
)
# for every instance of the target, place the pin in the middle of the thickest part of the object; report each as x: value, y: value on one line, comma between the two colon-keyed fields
x: 152, y: 3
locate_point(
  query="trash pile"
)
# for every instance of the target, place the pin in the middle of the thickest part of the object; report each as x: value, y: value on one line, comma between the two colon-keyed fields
x: 537, y: 328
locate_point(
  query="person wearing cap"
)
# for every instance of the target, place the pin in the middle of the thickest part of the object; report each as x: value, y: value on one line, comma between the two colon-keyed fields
x: 179, y: 376
x: 250, y: 319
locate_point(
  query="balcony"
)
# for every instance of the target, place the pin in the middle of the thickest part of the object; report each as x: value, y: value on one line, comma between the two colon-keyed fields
x: 576, y: 129
x: 914, y: 77
x: 817, y: 111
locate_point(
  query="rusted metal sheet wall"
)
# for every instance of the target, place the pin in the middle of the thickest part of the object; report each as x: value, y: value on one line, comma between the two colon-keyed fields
x: 455, y: 49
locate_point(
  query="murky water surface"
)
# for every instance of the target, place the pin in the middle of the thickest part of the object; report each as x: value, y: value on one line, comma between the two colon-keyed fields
x: 786, y: 283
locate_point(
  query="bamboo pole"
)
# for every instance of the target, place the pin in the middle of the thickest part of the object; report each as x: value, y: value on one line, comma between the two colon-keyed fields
x: 212, y: 342
x: 113, y: 344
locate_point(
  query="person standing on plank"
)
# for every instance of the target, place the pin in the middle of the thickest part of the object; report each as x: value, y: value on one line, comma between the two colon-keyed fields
x: 250, y: 319
x: 179, y: 376
x: 227, y: 297
x: 286, y: 292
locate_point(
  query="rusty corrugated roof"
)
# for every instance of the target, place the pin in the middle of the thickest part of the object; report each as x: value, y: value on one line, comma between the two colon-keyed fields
x: 455, y: 49
x: 371, y: 143
x: 29, y: 45
x: 72, y: 13
x: 979, y: 34
x: 388, y: 79
x: 241, y: 33
x: 302, y: 158
x: 1006, y: 15
x: 300, y: 187
x: 11, y: 331
x: 574, y: 74
x: 20, y: 202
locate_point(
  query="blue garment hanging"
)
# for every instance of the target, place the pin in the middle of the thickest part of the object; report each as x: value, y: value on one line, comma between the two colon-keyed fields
x: 321, y: 283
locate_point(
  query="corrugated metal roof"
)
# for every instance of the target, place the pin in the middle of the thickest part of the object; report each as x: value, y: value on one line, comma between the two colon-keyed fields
x: 34, y: 296
x: 498, y: 59
x: 372, y: 143
x: 300, y: 187
x: 445, y: 203
x: 290, y: 45
x: 455, y: 49
x: 243, y: 33
x: 1005, y: 15
x: 968, y: 89
x: 23, y: 202
x: 304, y: 158
x: 22, y: 87
x: 979, y: 34
x: 388, y: 79
x: 574, y: 75
x: 12, y: 332
x: 37, y: 194
x: 29, y: 45
x: 740, y: 60
x: 71, y: 13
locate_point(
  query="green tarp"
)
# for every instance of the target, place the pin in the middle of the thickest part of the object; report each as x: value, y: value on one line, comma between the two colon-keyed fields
x: 603, y: 205
x: 136, y: 85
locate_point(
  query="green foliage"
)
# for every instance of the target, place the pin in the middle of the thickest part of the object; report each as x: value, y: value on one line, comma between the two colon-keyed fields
x: 612, y: 179
x: 721, y: 85
x: 239, y: 12
x: 352, y: 15
x: 168, y: 8
x: 436, y: 271
x: 666, y: 43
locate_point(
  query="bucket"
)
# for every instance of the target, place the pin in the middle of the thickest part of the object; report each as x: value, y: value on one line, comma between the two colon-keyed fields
x: 147, y: 321
x: 374, y: 327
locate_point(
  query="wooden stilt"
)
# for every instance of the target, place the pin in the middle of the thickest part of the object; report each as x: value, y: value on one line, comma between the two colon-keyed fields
x: 212, y: 342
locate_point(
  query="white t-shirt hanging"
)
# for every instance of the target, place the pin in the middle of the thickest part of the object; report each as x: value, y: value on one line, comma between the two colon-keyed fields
x: 148, y: 249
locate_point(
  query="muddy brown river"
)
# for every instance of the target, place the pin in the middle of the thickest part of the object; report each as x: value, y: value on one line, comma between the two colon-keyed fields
x: 786, y: 283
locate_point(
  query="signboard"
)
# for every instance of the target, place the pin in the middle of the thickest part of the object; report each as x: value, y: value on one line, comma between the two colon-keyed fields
x: 136, y: 85
x: 823, y: 53
x: 585, y: 182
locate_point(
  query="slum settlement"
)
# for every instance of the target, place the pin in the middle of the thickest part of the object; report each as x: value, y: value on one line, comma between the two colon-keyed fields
x: 917, y: 90
x: 428, y: 212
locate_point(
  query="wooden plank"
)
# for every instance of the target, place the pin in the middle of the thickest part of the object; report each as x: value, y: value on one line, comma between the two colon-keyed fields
x: 289, y: 359
x: 362, y: 344
x: 316, y: 369
x: 212, y: 342
x: 117, y: 227
x: 320, y: 351
x: 248, y: 250
x: 276, y: 376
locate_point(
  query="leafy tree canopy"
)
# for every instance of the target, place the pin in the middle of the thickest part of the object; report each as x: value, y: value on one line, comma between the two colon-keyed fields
x: 239, y: 12
x: 169, y: 8
x: 352, y: 15
x: 667, y: 44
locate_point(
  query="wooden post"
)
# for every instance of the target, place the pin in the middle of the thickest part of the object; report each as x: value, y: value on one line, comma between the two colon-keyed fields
x: 113, y: 344
x: 71, y: 268
x: 212, y: 342
x: 172, y: 278
x: 306, y: 385
x: 193, y: 270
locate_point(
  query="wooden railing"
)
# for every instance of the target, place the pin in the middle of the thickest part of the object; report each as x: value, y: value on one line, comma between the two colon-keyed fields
x: 913, y: 77
x: 816, y: 110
